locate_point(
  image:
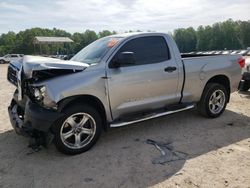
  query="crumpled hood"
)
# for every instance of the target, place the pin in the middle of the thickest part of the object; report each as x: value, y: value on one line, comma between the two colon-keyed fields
x: 38, y: 63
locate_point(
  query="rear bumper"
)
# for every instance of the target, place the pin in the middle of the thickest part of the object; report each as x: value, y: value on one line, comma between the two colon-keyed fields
x: 246, y: 76
x: 245, y: 81
x: 33, y: 118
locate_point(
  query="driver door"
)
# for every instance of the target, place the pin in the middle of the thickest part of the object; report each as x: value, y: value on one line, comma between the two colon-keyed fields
x: 146, y: 84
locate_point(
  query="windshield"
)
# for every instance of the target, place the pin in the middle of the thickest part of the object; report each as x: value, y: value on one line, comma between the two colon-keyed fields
x: 93, y: 53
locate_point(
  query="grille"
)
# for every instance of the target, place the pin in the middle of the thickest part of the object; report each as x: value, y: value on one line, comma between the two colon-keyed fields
x: 12, y: 75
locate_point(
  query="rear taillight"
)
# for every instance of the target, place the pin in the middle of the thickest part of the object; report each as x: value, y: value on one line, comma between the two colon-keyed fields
x: 241, y: 62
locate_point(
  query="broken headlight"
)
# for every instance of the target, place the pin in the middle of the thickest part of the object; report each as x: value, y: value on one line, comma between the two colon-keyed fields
x: 39, y: 93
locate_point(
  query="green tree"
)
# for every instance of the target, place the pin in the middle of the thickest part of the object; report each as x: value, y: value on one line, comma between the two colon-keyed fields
x: 104, y: 33
x: 230, y: 31
x: 244, y: 33
x: 185, y: 39
x: 228, y: 34
x: 7, y: 43
x: 88, y: 37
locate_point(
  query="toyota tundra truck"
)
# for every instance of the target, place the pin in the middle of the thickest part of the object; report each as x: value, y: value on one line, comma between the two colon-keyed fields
x: 116, y: 81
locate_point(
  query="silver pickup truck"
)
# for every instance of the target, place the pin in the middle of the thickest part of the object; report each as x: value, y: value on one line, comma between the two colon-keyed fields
x: 116, y: 81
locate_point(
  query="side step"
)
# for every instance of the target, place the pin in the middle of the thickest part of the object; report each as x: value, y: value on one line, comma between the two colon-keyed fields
x: 151, y: 116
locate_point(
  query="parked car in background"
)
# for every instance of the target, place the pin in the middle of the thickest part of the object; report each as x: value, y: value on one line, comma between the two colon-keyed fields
x: 68, y: 57
x: 243, y: 52
x: 61, y: 56
x: 226, y: 52
x: 235, y: 52
x: 245, y: 81
x: 10, y: 57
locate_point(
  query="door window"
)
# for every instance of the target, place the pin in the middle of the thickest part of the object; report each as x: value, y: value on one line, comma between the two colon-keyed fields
x: 147, y: 50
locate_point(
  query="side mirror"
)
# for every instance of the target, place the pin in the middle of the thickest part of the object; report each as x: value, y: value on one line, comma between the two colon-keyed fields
x: 124, y: 58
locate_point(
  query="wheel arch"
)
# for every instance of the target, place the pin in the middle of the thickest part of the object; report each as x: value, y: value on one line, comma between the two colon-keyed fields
x: 85, y: 99
x: 223, y: 80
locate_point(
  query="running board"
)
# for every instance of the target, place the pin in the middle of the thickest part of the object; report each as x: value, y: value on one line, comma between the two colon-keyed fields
x: 119, y: 124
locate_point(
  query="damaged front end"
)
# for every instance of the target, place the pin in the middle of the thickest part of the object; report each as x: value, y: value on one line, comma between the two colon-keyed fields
x: 32, y: 120
x: 31, y: 111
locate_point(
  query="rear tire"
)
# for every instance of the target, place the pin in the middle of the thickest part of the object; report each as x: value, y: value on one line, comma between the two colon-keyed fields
x: 213, y: 100
x: 78, y: 130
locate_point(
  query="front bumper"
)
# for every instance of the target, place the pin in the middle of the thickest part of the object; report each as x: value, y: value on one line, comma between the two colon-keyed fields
x: 32, y: 118
x: 17, y: 121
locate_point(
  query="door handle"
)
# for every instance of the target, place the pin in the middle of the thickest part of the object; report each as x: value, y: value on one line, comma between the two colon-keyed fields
x: 170, y: 69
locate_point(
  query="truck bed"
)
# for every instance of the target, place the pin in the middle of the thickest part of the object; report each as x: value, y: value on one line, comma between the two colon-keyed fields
x: 199, y: 68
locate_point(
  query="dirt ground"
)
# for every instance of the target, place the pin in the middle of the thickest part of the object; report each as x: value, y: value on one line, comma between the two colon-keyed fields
x: 218, y: 152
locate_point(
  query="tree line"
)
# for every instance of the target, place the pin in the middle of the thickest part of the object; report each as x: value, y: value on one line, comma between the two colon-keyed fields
x: 22, y: 42
x: 230, y: 35
x: 223, y: 35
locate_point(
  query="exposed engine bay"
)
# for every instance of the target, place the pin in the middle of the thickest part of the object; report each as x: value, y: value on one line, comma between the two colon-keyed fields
x: 31, y: 70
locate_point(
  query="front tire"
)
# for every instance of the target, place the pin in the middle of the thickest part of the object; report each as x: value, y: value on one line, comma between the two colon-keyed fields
x: 78, y: 130
x: 213, y: 101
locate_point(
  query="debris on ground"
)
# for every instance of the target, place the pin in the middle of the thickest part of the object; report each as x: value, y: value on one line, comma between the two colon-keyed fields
x: 168, y: 153
x: 34, y: 145
x: 230, y: 124
x: 136, y: 139
x: 88, y: 179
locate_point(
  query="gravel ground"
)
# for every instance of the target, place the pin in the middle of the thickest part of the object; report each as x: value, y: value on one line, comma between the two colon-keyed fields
x: 217, y: 152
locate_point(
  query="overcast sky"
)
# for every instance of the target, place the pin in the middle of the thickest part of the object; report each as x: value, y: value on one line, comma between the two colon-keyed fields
x: 119, y: 15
